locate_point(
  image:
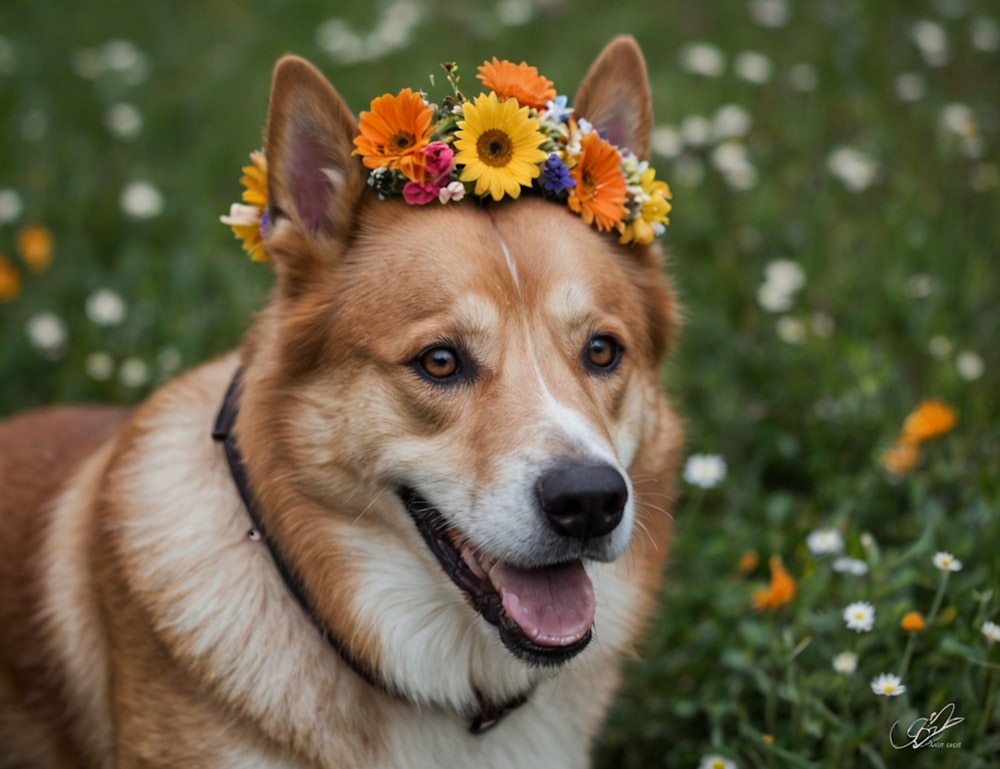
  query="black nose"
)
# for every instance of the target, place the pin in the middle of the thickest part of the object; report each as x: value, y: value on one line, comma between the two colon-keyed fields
x: 583, y: 500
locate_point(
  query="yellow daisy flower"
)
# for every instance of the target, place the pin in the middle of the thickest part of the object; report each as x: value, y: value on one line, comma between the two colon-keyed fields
x: 247, y: 220
x: 655, y: 210
x: 497, y: 146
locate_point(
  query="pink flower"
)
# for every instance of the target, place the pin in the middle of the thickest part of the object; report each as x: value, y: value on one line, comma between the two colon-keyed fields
x: 420, y: 193
x: 440, y: 162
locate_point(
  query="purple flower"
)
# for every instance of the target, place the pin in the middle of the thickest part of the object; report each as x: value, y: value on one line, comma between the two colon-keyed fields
x: 555, y: 176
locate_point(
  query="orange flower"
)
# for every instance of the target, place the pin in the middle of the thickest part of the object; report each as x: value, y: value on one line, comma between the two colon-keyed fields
x: 35, y: 244
x: 254, y: 181
x: 901, y: 458
x: 600, y: 192
x: 929, y: 420
x: 517, y: 81
x: 394, y: 132
x: 913, y: 622
x: 781, y: 591
x: 749, y: 561
x: 10, y: 280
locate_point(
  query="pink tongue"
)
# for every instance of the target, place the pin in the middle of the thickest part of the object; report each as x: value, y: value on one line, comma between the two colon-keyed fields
x: 554, y: 606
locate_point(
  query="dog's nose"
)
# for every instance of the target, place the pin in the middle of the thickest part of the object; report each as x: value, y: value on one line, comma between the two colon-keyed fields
x: 583, y: 500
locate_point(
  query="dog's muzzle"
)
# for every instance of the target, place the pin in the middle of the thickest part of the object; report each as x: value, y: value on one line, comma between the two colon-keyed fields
x: 544, y: 611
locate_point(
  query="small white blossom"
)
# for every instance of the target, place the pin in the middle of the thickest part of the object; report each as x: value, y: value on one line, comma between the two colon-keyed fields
x: 992, y: 632
x: 451, y: 191
x: 845, y: 663
x: 947, y: 562
x: 752, y: 66
x: 133, y: 372
x: 850, y: 566
x: 141, y: 200
x: 825, y: 542
x: 860, y: 616
x: 888, y: 685
x: 716, y: 762
x: 99, y: 366
x: 770, y: 13
x: 802, y: 77
x: 853, y: 167
x: 105, y: 308
x: 703, y: 59
x: 10, y: 205
x: 705, y: 470
x: 969, y: 365
x: 932, y: 41
x: 985, y: 34
x: 47, y: 333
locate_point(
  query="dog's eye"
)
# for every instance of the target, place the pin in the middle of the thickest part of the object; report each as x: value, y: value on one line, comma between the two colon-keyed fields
x: 602, y: 353
x: 439, y: 363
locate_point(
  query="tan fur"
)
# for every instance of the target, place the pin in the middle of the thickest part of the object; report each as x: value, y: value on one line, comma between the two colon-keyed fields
x: 141, y: 626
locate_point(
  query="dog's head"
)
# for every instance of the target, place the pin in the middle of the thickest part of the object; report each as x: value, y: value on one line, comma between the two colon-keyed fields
x: 453, y: 412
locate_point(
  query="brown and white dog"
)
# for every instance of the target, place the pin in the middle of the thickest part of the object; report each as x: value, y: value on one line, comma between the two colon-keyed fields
x: 447, y: 440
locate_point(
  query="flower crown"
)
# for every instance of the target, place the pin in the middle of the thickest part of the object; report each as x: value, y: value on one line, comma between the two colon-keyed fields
x: 518, y: 135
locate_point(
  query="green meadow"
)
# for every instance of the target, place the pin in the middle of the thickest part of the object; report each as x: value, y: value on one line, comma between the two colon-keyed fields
x: 835, y: 242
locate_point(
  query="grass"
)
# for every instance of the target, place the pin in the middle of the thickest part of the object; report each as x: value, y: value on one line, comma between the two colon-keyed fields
x: 799, y: 389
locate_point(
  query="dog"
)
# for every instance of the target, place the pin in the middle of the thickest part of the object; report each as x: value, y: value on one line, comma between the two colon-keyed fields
x: 418, y: 519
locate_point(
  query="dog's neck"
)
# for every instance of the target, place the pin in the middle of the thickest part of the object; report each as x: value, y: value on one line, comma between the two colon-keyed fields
x: 490, y: 714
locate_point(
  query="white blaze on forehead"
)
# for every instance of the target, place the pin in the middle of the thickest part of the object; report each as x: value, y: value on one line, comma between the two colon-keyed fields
x: 509, y: 259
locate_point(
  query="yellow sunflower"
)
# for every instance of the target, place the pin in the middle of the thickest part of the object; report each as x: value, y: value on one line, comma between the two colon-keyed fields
x: 497, y: 146
x: 247, y: 221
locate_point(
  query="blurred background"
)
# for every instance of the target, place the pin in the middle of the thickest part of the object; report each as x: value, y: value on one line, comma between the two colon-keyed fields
x: 834, y: 240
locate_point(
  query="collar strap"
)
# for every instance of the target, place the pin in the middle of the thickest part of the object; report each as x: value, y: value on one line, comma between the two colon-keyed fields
x: 489, y: 715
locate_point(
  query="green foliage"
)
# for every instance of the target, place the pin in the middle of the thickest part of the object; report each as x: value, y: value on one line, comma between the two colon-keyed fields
x: 869, y: 161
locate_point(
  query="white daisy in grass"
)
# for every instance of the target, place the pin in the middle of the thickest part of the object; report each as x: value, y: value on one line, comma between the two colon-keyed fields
x: 888, y: 685
x: 705, y: 470
x: 860, y: 616
x: 992, y: 632
x: 716, y: 762
x: 848, y: 565
x: 825, y: 542
x: 947, y: 562
x: 845, y: 663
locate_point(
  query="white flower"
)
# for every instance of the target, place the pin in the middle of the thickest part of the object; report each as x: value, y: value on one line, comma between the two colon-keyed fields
x: 241, y: 215
x: 850, y: 566
x: 825, y: 541
x: 141, y: 200
x: 803, y: 78
x: 105, y: 308
x: 888, y: 685
x: 786, y: 274
x: 845, y: 663
x: 992, y: 631
x: 853, y: 167
x: 515, y: 13
x: 716, y: 762
x: 731, y: 121
x: 753, y: 67
x: 666, y: 141
x: 931, y: 39
x: 910, y: 87
x: 133, y: 372
x: 860, y: 616
x: 985, y: 34
x: 10, y: 205
x: 939, y: 347
x: 703, y: 59
x: 452, y: 191
x: 947, y: 562
x: 124, y: 121
x: 773, y: 298
x: 47, y: 332
x: 769, y: 13
x: 696, y: 131
x: 99, y: 366
x: 705, y: 470
x: 969, y: 365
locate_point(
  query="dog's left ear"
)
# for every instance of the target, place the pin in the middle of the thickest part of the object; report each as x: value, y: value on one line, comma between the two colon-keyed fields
x: 614, y: 96
x: 312, y: 178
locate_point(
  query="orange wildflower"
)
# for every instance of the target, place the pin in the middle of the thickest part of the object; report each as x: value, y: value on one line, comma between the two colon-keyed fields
x: 10, y: 280
x: 254, y: 181
x: 781, y: 591
x: 913, y: 622
x: 600, y: 192
x: 393, y: 133
x: 901, y: 458
x: 929, y: 420
x: 517, y: 81
x: 35, y: 244
x: 749, y: 561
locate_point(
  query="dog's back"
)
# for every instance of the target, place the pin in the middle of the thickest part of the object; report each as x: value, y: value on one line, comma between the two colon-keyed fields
x: 38, y: 452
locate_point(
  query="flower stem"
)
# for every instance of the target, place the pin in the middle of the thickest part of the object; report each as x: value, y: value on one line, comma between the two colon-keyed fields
x: 938, y: 599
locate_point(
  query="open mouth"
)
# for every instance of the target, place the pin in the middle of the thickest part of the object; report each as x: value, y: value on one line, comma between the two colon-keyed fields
x: 544, y: 615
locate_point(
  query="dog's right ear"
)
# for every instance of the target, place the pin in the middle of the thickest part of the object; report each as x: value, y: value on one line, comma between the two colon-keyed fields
x: 313, y: 180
